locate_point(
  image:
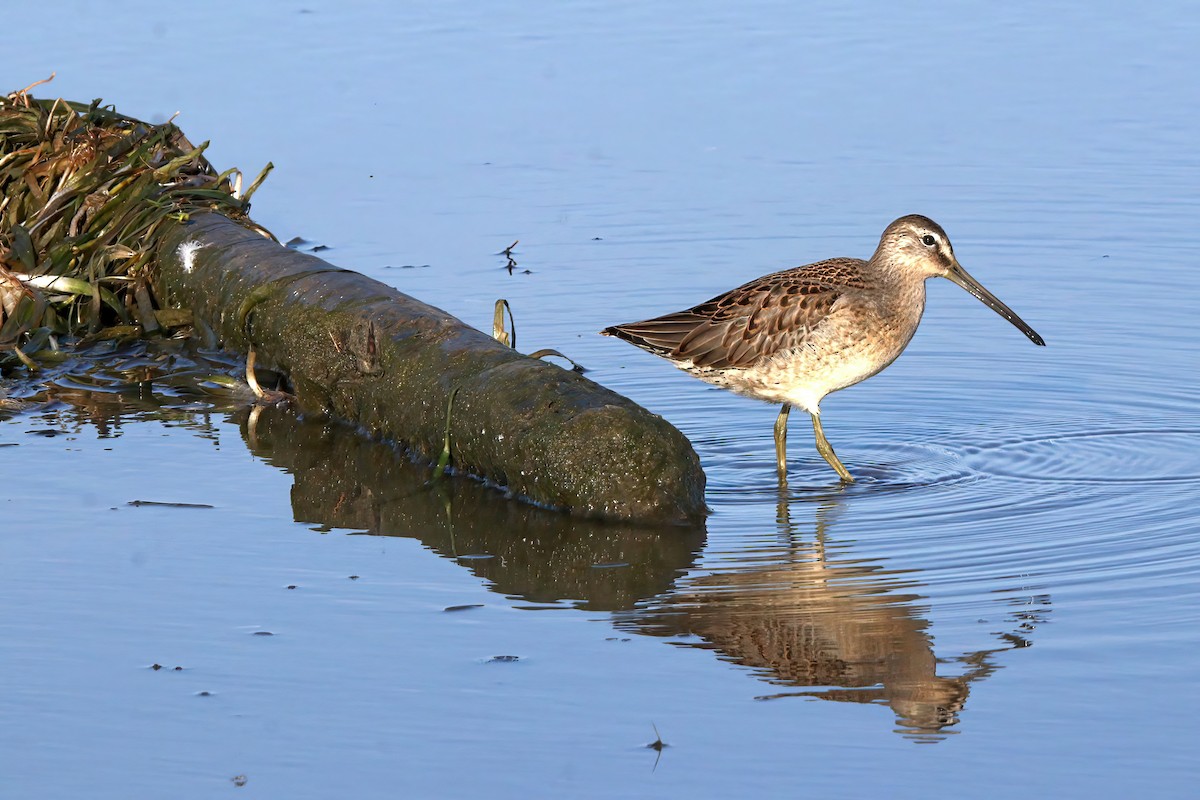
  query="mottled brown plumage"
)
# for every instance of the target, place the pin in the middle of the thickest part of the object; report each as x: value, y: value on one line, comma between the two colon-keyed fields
x: 741, y: 327
x: 794, y: 336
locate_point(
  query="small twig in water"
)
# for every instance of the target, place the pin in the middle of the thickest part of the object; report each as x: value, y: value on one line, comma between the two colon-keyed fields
x: 657, y: 745
x: 265, y: 397
x: 251, y: 379
x: 508, y: 253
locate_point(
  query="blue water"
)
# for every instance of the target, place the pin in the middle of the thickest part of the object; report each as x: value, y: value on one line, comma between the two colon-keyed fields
x: 1005, y: 604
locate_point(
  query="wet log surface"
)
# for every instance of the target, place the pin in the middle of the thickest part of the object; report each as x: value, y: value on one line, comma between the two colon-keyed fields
x: 360, y: 351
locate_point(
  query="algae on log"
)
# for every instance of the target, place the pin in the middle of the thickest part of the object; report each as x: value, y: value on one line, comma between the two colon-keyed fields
x: 359, y: 350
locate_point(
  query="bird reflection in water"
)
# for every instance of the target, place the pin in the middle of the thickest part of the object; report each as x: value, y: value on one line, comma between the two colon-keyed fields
x: 805, y: 613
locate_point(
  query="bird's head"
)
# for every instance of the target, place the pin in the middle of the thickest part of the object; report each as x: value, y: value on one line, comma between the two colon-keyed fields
x: 917, y: 246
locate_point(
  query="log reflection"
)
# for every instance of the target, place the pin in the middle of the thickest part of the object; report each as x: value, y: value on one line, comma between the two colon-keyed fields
x: 344, y: 480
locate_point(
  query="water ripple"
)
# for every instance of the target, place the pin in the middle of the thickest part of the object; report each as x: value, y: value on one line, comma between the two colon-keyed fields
x: 1114, y: 455
x: 1079, y: 502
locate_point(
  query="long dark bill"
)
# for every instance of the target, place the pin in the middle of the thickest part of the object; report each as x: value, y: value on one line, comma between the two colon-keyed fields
x: 963, y: 278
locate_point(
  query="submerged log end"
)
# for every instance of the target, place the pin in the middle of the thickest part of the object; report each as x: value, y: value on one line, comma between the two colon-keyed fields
x: 577, y: 445
x: 639, y: 466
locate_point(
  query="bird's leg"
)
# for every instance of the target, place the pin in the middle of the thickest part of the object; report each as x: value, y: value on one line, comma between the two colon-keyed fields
x: 781, y: 439
x: 826, y: 451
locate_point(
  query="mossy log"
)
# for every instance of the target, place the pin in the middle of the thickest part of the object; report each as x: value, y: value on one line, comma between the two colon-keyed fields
x: 94, y: 207
x: 358, y: 350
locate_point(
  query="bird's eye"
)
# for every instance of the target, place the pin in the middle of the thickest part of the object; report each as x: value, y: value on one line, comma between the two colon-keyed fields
x: 928, y: 240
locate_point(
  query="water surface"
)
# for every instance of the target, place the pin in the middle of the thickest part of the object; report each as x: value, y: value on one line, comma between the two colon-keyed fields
x: 1005, y: 604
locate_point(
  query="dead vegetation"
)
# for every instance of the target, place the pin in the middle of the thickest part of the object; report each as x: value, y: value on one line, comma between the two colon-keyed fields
x: 83, y: 193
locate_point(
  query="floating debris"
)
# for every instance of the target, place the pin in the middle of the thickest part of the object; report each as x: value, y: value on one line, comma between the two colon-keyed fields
x: 508, y: 254
x: 658, y: 744
x: 302, y: 244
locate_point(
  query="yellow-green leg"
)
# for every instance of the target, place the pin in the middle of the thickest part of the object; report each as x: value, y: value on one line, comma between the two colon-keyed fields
x: 826, y: 450
x: 781, y: 439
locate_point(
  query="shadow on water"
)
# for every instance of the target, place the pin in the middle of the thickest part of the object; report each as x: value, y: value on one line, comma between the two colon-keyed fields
x: 805, y: 612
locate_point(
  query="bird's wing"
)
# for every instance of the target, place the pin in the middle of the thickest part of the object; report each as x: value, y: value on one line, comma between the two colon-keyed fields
x: 745, y: 325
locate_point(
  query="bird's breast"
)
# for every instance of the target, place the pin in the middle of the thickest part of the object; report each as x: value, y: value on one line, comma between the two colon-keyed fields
x: 853, y: 343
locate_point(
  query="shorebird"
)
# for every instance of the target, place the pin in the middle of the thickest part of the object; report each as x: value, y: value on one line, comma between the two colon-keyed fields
x: 794, y: 336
